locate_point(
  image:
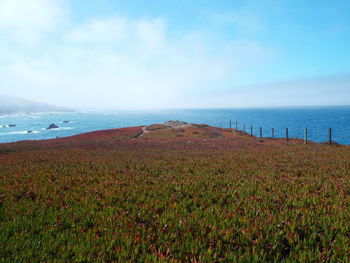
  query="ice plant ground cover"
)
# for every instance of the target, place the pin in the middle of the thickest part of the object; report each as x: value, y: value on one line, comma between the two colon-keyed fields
x: 187, y: 194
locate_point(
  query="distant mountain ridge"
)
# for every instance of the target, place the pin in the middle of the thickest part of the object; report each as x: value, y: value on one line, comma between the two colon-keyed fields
x: 15, y: 105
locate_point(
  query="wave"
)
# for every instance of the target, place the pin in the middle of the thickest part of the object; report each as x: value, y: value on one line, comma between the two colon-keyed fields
x: 8, y: 125
x: 66, y: 122
x: 19, y: 132
x: 65, y: 128
x: 58, y: 129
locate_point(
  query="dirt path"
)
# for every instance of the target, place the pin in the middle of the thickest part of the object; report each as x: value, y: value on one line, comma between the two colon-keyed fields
x: 144, y: 131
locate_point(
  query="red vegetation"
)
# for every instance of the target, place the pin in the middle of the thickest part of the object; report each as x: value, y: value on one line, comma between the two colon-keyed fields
x: 183, y: 194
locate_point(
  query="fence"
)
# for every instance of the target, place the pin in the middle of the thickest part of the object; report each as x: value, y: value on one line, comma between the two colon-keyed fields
x: 272, y: 132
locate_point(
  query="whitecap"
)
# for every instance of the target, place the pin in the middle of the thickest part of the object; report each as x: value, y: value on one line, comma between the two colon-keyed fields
x: 33, y: 132
x: 18, y: 132
x: 58, y: 129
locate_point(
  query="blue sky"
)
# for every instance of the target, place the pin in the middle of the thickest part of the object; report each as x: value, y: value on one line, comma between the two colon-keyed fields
x: 176, y: 54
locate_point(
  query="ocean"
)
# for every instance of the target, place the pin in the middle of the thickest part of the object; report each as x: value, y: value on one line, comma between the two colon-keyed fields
x: 316, y: 119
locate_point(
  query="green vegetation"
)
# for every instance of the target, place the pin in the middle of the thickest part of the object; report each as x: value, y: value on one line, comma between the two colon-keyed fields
x: 206, y: 196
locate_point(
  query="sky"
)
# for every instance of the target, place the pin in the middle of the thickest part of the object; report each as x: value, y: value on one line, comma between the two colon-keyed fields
x: 159, y: 54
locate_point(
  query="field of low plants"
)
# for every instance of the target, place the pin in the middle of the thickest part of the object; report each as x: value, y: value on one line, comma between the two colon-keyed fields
x: 193, y: 194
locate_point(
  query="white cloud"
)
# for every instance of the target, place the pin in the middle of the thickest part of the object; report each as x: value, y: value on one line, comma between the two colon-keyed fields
x: 121, y: 33
x: 25, y: 21
x: 107, y: 31
x: 123, y: 62
x: 29, y: 14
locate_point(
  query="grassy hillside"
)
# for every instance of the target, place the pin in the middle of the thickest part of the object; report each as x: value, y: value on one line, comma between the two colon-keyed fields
x: 187, y: 194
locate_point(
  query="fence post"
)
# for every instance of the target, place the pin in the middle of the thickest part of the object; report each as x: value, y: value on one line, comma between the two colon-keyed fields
x: 260, y: 132
x: 230, y: 124
x: 305, y: 135
x: 251, y: 131
x: 273, y: 133
x: 236, y: 126
x: 330, y: 135
x: 287, y: 135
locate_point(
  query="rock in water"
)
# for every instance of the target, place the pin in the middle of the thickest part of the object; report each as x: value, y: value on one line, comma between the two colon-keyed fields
x: 12, y: 125
x: 52, y: 126
x: 29, y: 131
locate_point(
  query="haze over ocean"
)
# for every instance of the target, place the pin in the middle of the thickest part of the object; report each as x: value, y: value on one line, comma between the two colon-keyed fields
x: 317, y: 119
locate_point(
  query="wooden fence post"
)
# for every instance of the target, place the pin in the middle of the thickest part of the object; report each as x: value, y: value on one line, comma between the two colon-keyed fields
x: 251, y: 131
x: 260, y: 132
x: 305, y: 135
x: 287, y: 135
x: 330, y: 135
x: 273, y: 133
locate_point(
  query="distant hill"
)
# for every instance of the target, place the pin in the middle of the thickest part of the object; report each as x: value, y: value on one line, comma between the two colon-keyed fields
x: 13, y: 105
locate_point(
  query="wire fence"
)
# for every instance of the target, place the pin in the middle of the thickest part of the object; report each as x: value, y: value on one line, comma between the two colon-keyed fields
x: 308, y: 134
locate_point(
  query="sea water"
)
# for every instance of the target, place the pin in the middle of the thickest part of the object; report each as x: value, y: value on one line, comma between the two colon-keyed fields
x: 316, y: 119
